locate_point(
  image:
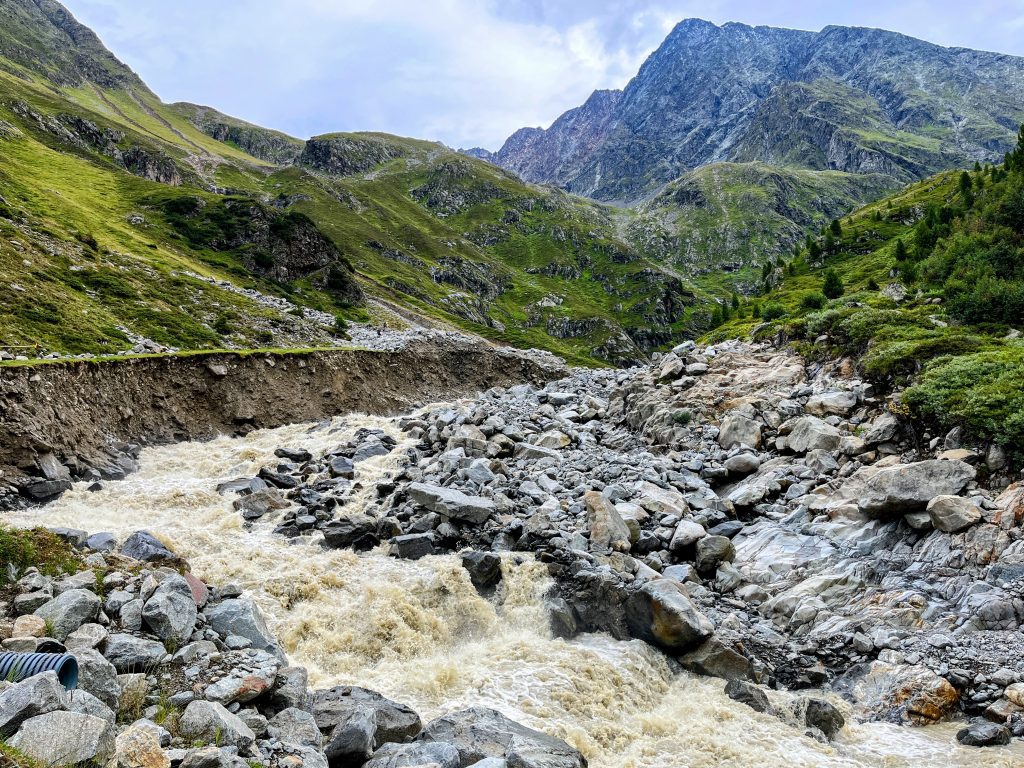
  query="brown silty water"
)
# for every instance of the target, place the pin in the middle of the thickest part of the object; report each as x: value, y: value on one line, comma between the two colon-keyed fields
x: 419, y: 633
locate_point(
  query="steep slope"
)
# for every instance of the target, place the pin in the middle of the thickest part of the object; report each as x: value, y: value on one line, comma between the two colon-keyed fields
x: 924, y: 288
x: 732, y: 218
x: 123, y: 219
x: 848, y: 99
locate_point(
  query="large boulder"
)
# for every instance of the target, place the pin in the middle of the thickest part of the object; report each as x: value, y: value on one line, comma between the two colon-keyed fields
x: 129, y: 653
x: 144, y: 546
x: 607, y: 528
x: 661, y: 613
x: 243, y: 618
x: 33, y: 697
x: 982, y: 733
x: 904, y: 694
x: 810, y: 433
x: 434, y: 754
x: 209, y: 722
x: 480, y: 733
x: 953, y: 514
x: 687, y: 533
x: 70, y: 610
x: 295, y: 726
x: 356, y: 722
x: 66, y: 738
x: 910, y: 487
x: 171, y: 612
x: 451, y: 503
x: 737, y: 429
x: 837, y: 403
x: 354, y: 531
x: 98, y: 676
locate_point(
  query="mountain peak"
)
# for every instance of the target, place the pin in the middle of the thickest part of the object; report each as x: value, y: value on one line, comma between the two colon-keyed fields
x: 846, y: 98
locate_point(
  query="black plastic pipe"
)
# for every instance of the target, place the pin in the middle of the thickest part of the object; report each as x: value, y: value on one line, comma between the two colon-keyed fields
x: 15, y: 667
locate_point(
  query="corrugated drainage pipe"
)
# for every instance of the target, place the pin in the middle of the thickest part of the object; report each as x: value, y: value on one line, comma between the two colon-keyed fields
x: 15, y: 667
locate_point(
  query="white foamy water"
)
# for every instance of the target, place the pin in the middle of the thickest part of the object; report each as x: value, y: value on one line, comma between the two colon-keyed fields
x: 419, y: 633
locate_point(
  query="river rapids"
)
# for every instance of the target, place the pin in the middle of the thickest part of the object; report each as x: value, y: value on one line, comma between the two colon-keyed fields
x: 419, y: 633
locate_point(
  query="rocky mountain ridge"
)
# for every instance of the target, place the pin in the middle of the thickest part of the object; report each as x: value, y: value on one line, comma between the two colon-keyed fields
x: 849, y: 99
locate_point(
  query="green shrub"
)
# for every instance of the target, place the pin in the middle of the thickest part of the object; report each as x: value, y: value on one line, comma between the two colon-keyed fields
x: 683, y: 417
x: 813, y: 301
x: 772, y: 312
x: 983, y: 392
x: 37, y: 548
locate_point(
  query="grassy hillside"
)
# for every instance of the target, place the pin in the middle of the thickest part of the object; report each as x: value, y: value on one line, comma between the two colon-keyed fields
x: 925, y: 290
x: 123, y: 218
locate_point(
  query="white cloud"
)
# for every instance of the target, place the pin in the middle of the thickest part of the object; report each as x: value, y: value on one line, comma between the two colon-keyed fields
x: 462, y: 71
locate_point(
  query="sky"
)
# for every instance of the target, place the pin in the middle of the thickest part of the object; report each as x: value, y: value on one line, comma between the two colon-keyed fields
x: 465, y: 72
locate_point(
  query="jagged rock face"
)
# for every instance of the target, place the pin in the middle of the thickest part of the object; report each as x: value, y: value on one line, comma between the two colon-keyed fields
x: 558, y: 155
x: 346, y: 155
x: 280, y: 246
x: 836, y: 99
x: 261, y: 143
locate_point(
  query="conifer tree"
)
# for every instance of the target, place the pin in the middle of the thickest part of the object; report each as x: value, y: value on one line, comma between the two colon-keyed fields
x: 833, y: 287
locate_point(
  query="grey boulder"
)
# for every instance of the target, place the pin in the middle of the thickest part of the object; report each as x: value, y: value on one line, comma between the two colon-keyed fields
x: 171, y: 612
x: 909, y: 487
x: 70, y: 610
x: 210, y: 722
x: 243, y: 618
x: 356, y: 722
x: 66, y: 738
x: 33, y: 697
x: 661, y: 613
x: 451, y: 503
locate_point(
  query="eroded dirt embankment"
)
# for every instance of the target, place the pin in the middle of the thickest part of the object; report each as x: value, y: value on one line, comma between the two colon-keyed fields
x: 78, y: 415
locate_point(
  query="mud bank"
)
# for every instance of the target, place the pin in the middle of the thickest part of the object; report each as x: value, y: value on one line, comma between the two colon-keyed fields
x: 78, y: 419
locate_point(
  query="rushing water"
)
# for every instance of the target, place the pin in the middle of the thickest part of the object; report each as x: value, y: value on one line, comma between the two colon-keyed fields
x: 419, y: 633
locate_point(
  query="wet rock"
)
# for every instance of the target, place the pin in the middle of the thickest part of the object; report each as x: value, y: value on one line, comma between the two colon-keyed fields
x: 748, y: 694
x: 143, y: 546
x: 607, y: 529
x: 358, y: 532
x: 982, y: 733
x: 33, y: 697
x: 70, y: 610
x: 356, y: 722
x: 101, y: 542
x: 715, y: 659
x: 484, y: 569
x: 413, y: 546
x: 909, y: 487
x: 451, y: 503
x: 953, y: 514
x: 255, y: 505
x: 211, y: 723
x: 908, y: 694
x: 661, y: 614
x: 479, y: 733
x: 820, y: 714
